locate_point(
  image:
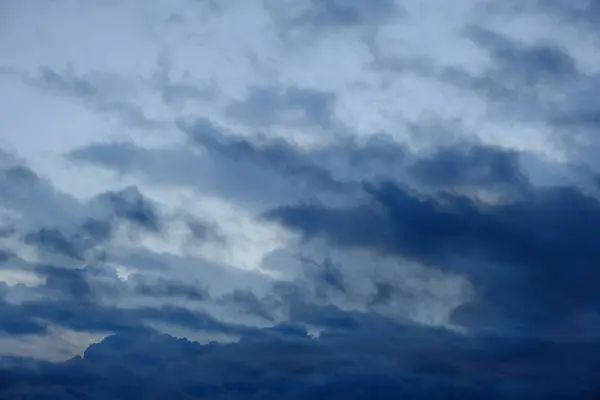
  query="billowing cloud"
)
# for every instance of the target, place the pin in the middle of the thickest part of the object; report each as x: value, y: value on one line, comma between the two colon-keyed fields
x: 285, y: 362
x: 334, y: 198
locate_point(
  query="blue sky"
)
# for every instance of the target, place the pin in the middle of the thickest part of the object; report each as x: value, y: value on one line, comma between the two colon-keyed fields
x: 282, y: 199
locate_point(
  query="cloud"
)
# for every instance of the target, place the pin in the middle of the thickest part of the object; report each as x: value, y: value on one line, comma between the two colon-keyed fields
x: 14, y: 323
x: 129, y: 204
x: 286, y: 363
x: 529, y: 247
x: 333, y: 12
x: 367, y: 198
x: 470, y: 165
x: 54, y: 241
x: 267, y: 105
x: 164, y: 287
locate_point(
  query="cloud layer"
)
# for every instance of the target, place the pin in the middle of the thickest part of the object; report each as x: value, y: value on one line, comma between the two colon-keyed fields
x: 318, y: 198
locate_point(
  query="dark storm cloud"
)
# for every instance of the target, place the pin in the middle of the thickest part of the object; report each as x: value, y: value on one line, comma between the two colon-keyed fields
x: 536, y: 244
x: 469, y: 210
x: 532, y: 259
x: 376, y: 360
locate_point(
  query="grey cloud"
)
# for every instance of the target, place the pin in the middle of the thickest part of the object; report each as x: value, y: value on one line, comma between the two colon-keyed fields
x: 276, y: 167
x: 529, y: 64
x: 466, y: 165
x: 129, y: 204
x: 99, y: 230
x: 123, y: 157
x: 66, y: 284
x: 222, y: 171
x: 7, y: 230
x: 205, y: 231
x: 249, y: 303
x: 266, y: 106
x: 326, y: 276
x: 98, y: 92
x: 53, y: 240
x: 22, y: 190
x: 19, y: 174
x: 519, y: 74
x: 278, y: 156
x: 581, y: 14
x: 71, y: 84
x: 279, y: 171
x: 12, y: 322
x: 75, y: 288
x: 5, y: 256
x: 59, y: 224
x: 539, y: 83
x: 522, y: 79
x: 332, y: 13
x: 169, y: 288
x: 87, y: 316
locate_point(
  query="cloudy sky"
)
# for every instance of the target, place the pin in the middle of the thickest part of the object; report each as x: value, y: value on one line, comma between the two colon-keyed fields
x: 292, y: 198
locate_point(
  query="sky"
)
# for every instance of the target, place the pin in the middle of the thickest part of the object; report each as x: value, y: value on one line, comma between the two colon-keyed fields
x: 299, y: 199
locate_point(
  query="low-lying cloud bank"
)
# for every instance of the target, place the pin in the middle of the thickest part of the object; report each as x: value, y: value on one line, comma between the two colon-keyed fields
x: 375, y: 359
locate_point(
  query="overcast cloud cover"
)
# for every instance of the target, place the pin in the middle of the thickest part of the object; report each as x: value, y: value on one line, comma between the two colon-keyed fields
x: 297, y: 199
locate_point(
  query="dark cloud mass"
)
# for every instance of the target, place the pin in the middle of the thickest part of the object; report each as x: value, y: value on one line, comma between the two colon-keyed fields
x: 286, y: 363
x: 313, y: 199
x: 533, y: 260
